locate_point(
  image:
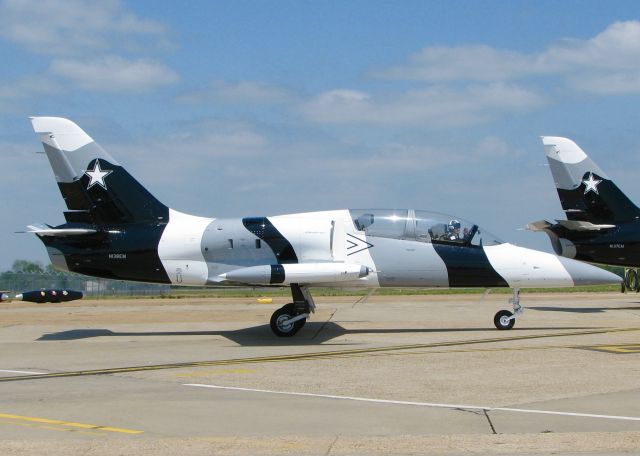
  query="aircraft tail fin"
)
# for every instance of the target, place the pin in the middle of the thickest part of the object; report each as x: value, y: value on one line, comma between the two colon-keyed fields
x: 586, y: 192
x: 95, y: 187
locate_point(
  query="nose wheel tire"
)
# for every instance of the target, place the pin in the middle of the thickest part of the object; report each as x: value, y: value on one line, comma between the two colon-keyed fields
x: 503, y: 320
x: 280, y: 321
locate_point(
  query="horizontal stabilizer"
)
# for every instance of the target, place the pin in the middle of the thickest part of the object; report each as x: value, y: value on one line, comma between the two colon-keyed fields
x: 576, y: 225
x: 571, y: 225
x: 540, y: 225
x: 46, y: 230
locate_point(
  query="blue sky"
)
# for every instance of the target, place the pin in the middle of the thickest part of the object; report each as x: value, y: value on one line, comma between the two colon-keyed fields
x: 267, y: 107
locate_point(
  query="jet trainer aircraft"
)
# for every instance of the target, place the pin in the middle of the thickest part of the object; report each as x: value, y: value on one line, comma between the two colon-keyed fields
x: 603, y: 224
x: 116, y: 229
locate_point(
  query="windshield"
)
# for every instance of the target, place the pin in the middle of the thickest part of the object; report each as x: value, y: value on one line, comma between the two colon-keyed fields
x: 421, y: 226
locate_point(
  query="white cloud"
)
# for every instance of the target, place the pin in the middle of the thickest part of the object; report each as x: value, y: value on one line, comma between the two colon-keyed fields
x: 607, y: 63
x: 472, y: 63
x: 430, y: 107
x: 27, y: 86
x: 608, y: 84
x: 196, y: 150
x: 384, y: 159
x: 616, y: 48
x: 18, y: 95
x: 240, y: 92
x: 494, y: 147
x: 75, y: 27
x: 80, y: 38
x: 468, y: 85
x: 114, y: 73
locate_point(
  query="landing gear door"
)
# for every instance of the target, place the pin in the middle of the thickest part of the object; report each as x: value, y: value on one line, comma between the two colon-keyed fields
x: 338, y: 240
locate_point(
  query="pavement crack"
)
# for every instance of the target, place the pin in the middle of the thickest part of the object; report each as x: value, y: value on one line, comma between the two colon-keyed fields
x: 364, y: 298
x: 486, y: 414
x: 331, y: 445
x: 479, y: 412
x: 474, y: 412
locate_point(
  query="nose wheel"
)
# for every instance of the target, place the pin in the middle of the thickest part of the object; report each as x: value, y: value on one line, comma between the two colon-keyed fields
x: 506, y: 320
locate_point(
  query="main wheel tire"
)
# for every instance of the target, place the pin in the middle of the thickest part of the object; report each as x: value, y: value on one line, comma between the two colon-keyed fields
x: 631, y: 280
x: 503, y: 321
x: 280, y: 316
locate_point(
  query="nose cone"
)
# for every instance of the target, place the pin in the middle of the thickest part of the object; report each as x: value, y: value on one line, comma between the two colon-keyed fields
x: 587, y: 274
x: 526, y: 268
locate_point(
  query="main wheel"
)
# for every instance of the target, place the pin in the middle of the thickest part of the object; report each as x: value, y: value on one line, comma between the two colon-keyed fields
x: 279, y: 321
x: 502, y: 320
x: 631, y: 280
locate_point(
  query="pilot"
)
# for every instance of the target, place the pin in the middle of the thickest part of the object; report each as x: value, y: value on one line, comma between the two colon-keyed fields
x: 453, y: 231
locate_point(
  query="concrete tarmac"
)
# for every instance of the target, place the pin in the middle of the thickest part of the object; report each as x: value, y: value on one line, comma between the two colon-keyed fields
x: 387, y: 375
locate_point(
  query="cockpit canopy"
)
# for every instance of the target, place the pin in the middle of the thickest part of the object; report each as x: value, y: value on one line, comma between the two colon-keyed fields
x: 420, y: 226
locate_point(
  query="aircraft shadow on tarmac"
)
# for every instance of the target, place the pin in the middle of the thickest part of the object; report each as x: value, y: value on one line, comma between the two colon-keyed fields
x: 581, y: 309
x: 314, y: 333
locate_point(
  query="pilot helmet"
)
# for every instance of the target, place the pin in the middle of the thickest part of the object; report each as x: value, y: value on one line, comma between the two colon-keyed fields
x: 453, y: 224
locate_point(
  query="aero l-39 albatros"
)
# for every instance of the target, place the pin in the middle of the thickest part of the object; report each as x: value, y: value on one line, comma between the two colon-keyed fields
x: 116, y: 229
x: 603, y: 224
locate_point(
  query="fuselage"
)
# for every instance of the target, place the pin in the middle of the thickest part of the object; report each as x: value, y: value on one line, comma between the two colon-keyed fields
x: 349, y: 248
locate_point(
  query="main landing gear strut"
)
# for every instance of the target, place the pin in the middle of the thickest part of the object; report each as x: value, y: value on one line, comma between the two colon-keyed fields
x: 505, y: 319
x: 290, y: 318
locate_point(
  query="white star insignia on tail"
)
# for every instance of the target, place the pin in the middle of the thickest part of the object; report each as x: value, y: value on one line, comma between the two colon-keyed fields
x: 591, y: 184
x: 97, y: 175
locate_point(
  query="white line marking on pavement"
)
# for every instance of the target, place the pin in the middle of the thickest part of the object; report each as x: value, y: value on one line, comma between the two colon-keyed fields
x: 23, y: 372
x: 419, y: 404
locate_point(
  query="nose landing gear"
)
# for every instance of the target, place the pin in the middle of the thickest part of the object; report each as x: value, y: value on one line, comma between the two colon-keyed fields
x: 506, y: 320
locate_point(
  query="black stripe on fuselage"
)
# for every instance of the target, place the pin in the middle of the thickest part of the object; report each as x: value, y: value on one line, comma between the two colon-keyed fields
x: 264, y: 229
x: 277, y: 273
x: 468, y: 266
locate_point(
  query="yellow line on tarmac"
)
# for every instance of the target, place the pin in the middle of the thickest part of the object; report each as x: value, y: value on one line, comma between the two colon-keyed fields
x: 68, y: 424
x: 467, y: 350
x: 49, y: 428
x: 618, y: 349
x: 309, y: 356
